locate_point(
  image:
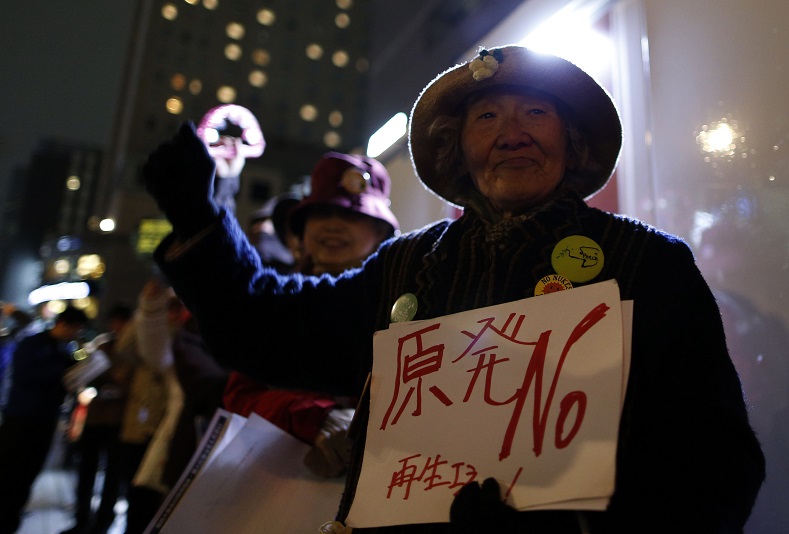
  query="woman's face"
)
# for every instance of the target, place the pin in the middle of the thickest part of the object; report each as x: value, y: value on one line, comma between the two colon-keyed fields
x: 515, y: 148
x: 337, y: 239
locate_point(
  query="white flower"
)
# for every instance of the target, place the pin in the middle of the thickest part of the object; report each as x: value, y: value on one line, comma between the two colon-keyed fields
x: 484, y: 66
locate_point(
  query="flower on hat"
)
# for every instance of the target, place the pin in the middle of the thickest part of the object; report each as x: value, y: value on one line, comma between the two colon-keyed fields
x: 485, y: 65
x: 354, y: 181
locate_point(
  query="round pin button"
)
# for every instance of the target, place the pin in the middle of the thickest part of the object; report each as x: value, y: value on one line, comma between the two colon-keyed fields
x: 551, y: 284
x: 577, y: 258
x: 404, y: 308
x: 354, y: 181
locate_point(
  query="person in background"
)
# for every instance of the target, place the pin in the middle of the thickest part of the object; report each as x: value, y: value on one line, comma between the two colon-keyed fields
x: 202, y: 381
x: 343, y: 220
x: 269, y: 234
x: 228, y: 171
x: 518, y: 139
x: 33, y: 409
x: 14, y: 325
x: 99, y: 441
x: 160, y: 313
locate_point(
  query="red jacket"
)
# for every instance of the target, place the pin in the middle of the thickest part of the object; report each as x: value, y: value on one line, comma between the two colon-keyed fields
x: 300, y: 413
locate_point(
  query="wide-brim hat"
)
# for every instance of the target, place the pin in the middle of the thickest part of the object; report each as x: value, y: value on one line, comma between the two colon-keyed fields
x: 516, y: 66
x: 366, y: 192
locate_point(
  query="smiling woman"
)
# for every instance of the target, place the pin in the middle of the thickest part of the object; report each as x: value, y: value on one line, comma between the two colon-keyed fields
x: 346, y: 216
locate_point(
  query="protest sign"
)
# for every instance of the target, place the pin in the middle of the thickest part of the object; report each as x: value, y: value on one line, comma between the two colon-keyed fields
x: 248, y: 478
x: 527, y: 392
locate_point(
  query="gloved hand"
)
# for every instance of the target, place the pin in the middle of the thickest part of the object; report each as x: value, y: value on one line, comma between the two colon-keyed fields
x: 477, y: 510
x: 331, y: 452
x: 179, y: 175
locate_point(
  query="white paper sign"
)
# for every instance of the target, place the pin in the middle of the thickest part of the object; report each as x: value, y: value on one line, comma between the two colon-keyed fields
x: 527, y: 392
x: 256, y: 483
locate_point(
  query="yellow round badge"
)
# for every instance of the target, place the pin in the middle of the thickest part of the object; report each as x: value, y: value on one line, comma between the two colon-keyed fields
x: 577, y: 258
x: 404, y: 308
x: 551, y: 284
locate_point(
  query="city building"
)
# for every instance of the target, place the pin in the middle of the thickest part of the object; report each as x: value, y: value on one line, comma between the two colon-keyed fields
x: 318, y: 76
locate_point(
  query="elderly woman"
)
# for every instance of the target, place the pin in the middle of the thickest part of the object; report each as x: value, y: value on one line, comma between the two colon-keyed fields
x: 518, y: 139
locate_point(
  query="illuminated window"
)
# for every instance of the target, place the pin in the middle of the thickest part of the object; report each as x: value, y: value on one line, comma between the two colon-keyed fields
x: 174, y: 105
x: 335, y: 119
x: 342, y: 20
x: 266, y: 17
x: 195, y: 86
x: 81, y: 303
x: 332, y: 139
x: 169, y: 11
x: 192, y: 2
x: 56, y: 307
x: 226, y: 94
x: 308, y: 112
x: 314, y: 51
x: 258, y: 78
x: 211, y: 4
x: 344, y: 4
x: 61, y: 266
x: 73, y: 183
x: 339, y: 58
x: 65, y: 243
x: 261, y: 57
x: 90, y: 265
x: 107, y: 225
x: 235, y: 31
x: 233, y: 52
x: 178, y: 82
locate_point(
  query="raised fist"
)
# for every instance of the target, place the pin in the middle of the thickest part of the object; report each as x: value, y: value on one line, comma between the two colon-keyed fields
x: 179, y: 175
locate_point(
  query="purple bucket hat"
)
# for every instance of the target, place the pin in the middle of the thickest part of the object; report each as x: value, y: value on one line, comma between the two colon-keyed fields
x: 364, y: 190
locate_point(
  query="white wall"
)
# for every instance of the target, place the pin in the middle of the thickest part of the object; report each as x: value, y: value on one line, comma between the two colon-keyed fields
x: 708, y: 60
x: 413, y: 205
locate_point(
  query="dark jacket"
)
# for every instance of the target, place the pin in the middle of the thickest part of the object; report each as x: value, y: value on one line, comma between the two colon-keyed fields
x: 202, y: 381
x: 38, y: 365
x: 687, y: 459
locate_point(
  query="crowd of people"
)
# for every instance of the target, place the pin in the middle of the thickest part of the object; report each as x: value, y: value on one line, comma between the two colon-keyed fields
x: 138, y: 423
x: 518, y: 140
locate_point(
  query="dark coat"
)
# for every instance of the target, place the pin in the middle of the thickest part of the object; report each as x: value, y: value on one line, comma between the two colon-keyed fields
x: 38, y: 365
x: 687, y: 459
x: 202, y: 381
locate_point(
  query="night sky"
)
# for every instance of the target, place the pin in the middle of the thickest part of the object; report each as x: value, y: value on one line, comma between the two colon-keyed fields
x: 61, y: 63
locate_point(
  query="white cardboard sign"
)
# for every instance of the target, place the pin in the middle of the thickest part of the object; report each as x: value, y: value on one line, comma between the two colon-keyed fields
x: 248, y: 477
x: 527, y: 392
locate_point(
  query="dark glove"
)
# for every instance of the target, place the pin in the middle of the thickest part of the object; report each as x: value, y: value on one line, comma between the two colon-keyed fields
x: 478, y: 510
x: 179, y: 175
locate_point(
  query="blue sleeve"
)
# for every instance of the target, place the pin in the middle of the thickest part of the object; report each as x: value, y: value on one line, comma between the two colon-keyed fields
x: 287, y: 331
